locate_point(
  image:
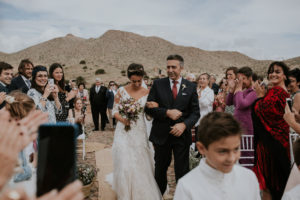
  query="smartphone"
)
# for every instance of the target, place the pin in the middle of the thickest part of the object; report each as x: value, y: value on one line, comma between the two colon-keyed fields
x: 51, y: 82
x: 289, y: 102
x: 56, y: 166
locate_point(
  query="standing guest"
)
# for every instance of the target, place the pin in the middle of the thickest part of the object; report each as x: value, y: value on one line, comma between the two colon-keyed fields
x: 98, y: 102
x: 77, y: 115
x: 191, y: 77
x: 230, y: 75
x: 213, y: 85
x: 44, y: 95
x: 294, y: 77
x: 242, y: 96
x: 205, y: 97
x: 173, y: 120
x: 218, y: 176
x: 83, y: 94
x: 57, y: 74
x: 6, y: 74
x: 271, y: 133
x: 110, y: 103
x: 219, y: 102
x: 22, y: 82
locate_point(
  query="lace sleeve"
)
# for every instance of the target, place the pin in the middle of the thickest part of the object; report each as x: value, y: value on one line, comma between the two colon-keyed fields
x: 116, y: 103
x: 32, y: 93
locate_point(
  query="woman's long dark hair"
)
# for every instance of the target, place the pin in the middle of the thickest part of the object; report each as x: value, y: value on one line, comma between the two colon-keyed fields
x: 60, y: 83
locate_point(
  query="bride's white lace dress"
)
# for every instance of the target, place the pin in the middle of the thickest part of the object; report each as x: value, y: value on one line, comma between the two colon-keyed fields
x: 133, y: 175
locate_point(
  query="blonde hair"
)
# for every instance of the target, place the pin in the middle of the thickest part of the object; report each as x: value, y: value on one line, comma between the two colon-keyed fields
x: 21, y: 106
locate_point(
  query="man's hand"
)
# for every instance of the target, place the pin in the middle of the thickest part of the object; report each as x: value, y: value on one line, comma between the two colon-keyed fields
x: 174, y: 114
x: 178, y: 129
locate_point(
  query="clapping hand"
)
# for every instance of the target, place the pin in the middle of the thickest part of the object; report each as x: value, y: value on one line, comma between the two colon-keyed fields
x: 259, y: 90
x: 231, y: 85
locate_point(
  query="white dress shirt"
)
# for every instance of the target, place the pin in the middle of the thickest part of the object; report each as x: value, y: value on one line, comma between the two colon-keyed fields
x: 97, y: 88
x: 27, y: 81
x: 206, y: 101
x: 292, y: 194
x: 177, y: 85
x: 207, y: 183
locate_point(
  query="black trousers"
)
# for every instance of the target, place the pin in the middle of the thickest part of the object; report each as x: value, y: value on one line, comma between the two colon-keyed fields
x: 95, y: 115
x: 163, y: 157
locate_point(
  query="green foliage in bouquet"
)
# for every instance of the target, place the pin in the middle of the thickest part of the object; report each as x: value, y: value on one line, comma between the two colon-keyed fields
x: 86, y: 173
x: 193, y: 160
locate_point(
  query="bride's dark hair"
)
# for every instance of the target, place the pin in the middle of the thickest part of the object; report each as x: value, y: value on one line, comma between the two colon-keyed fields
x: 135, y: 69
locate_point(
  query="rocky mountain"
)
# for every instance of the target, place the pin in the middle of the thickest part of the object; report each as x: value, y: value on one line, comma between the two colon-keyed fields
x: 115, y: 50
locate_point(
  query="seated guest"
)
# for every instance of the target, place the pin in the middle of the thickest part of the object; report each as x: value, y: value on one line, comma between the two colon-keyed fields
x: 83, y: 94
x: 45, y: 96
x: 6, y: 74
x: 294, y: 193
x: 218, y: 176
x: 22, y: 82
x: 77, y: 115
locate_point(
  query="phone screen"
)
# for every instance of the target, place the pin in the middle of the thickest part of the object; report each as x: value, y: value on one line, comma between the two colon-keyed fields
x: 56, y: 157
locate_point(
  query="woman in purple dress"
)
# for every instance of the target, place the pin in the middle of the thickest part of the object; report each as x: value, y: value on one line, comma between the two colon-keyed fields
x: 242, y: 96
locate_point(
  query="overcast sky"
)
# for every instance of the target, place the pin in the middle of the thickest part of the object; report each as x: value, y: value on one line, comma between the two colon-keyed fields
x: 261, y: 29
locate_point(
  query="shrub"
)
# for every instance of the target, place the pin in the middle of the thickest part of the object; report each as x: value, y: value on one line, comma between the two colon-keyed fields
x: 100, y: 71
x: 85, y: 67
x: 80, y: 79
x: 82, y: 62
x: 123, y: 72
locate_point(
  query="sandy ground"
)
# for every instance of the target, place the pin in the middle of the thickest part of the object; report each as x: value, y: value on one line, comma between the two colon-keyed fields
x: 98, y: 154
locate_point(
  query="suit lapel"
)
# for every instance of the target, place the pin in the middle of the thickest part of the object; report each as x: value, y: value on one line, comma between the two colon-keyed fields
x: 169, y: 91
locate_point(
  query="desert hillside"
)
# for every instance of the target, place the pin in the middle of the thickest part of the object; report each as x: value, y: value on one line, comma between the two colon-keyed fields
x: 115, y: 50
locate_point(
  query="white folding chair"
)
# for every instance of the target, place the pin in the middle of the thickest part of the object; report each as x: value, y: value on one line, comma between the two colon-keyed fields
x: 293, y: 137
x: 247, y: 146
x: 82, y: 138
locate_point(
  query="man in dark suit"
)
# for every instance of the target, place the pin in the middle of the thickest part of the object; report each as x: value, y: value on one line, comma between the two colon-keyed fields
x: 177, y: 113
x: 6, y: 74
x: 98, y: 102
x: 22, y: 82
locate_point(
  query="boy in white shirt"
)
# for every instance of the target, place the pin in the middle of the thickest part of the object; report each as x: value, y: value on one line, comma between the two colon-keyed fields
x: 294, y: 193
x: 218, y: 177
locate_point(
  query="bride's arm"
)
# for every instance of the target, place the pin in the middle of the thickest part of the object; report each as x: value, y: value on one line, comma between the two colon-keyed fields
x: 115, y: 111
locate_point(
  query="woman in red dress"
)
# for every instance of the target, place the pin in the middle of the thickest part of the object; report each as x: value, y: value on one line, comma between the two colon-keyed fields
x: 271, y: 133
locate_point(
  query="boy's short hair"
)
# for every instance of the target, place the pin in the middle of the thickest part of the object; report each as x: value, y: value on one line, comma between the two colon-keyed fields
x: 296, y: 149
x: 217, y: 125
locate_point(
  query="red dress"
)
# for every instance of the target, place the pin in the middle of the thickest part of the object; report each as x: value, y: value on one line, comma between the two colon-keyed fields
x: 271, y: 139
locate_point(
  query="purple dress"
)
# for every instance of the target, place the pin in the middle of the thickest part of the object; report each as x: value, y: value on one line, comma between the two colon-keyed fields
x: 243, y: 101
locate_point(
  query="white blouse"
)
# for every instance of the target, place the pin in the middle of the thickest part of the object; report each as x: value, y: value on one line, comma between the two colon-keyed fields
x: 206, y: 101
x: 205, y: 182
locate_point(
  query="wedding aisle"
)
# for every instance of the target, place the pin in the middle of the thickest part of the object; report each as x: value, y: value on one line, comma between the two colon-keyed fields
x: 98, y: 148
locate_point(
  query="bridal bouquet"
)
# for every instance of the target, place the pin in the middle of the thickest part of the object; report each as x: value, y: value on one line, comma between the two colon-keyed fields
x: 130, y: 109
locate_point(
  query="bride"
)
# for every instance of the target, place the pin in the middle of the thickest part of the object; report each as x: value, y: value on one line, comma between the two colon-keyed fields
x: 133, y: 176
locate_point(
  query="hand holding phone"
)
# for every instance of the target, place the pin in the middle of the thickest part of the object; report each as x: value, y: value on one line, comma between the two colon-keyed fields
x: 56, y: 156
x: 289, y: 102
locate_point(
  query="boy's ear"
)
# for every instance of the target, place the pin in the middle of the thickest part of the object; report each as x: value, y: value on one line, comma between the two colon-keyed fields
x: 201, y: 148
